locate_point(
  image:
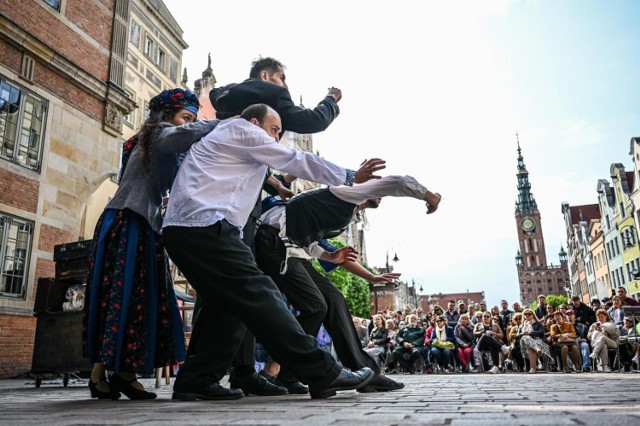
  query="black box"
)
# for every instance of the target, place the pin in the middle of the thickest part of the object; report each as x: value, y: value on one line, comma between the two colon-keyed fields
x: 57, y: 346
x: 50, y: 295
x: 73, y: 271
x: 70, y: 251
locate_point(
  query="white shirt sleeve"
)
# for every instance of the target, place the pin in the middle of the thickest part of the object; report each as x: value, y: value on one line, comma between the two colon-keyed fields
x: 393, y: 186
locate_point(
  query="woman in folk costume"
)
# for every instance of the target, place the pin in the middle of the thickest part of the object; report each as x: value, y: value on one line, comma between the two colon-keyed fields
x: 131, y: 321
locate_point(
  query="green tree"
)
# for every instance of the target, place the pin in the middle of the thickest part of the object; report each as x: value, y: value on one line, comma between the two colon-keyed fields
x: 553, y: 300
x: 355, y: 289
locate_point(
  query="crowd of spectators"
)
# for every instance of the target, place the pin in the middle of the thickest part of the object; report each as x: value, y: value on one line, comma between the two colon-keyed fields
x: 573, y: 337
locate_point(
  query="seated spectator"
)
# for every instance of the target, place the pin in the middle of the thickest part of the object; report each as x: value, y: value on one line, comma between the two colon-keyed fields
x: 479, y: 317
x: 387, y: 359
x: 595, y: 304
x: 378, y: 338
x: 471, y: 311
x: 515, y: 354
x: 362, y: 332
x: 616, y: 313
x: 584, y: 314
x: 451, y: 314
x: 465, y: 341
x: 437, y: 310
x: 626, y: 301
x: 564, y: 338
x: 583, y: 342
x: 549, y: 313
x: 628, y: 343
x: 426, y: 349
x: 409, y: 341
x: 604, y: 335
x: 391, y: 326
x: 489, y: 338
x: 443, y: 344
x: 532, y: 343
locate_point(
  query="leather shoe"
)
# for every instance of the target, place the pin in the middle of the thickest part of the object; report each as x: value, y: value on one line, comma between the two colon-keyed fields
x: 257, y: 385
x: 381, y: 383
x: 346, y: 380
x: 211, y: 391
x: 293, y: 386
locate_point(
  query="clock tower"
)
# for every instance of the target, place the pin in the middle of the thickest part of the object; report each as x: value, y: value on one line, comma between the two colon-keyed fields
x: 534, y: 275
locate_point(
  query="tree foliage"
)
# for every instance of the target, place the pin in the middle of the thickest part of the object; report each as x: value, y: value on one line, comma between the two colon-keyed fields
x: 355, y: 289
x: 553, y: 300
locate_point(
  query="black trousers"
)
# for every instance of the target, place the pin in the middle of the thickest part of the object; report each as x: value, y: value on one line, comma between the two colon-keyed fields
x: 236, y: 293
x: 317, y: 299
x: 491, y: 344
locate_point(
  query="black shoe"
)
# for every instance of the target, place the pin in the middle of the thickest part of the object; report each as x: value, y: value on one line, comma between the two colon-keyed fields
x: 211, y: 391
x: 97, y: 393
x: 346, y: 380
x: 118, y: 384
x: 269, y: 377
x: 257, y: 385
x: 381, y: 383
x: 292, y: 386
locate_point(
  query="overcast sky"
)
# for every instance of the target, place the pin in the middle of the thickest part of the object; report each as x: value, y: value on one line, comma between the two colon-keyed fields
x: 439, y: 90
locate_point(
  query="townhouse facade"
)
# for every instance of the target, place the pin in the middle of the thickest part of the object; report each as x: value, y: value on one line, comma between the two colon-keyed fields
x: 62, y: 103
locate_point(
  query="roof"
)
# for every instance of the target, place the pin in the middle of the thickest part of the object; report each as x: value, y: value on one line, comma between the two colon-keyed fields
x: 584, y: 213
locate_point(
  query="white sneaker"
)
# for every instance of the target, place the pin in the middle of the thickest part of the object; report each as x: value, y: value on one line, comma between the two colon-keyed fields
x: 636, y: 359
x: 505, y: 350
x: 607, y: 369
x: 593, y: 355
x: 494, y: 370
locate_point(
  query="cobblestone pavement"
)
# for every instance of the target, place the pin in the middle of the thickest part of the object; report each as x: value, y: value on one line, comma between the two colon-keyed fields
x: 478, y: 399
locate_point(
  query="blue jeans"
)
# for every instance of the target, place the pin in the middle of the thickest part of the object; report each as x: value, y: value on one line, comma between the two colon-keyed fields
x: 585, y: 352
x: 442, y: 356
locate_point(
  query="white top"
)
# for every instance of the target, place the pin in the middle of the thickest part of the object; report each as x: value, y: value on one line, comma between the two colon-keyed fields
x: 393, y: 186
x: 222, y: 175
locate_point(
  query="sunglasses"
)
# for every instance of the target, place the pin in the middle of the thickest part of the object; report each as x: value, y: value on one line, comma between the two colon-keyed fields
x: 528, y: 314
x: 439, y: 320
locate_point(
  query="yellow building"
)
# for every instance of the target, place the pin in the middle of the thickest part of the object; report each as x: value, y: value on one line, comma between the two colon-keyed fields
x: 625, y: 218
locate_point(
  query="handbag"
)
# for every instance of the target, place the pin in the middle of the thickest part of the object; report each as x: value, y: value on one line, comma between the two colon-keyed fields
x: 443, y: 345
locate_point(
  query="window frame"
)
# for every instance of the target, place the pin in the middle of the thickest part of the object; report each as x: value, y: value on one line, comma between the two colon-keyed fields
x: 135, y: 36
x: 55, y: 4
x: 160, y: 58
x: 149, y: 46
x: 6, y: 221
x: 14, y: 149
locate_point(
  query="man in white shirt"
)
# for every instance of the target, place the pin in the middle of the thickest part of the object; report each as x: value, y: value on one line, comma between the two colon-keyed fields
x: 212, y: 196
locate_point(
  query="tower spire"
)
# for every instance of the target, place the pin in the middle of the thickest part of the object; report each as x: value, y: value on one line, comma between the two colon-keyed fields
x: 525, y: 204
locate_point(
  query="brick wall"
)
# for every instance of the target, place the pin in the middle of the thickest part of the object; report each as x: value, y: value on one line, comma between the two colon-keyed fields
x: 18, y: 191
x: 93, y: 21
x: 17, y: 334
x: 53, y: 83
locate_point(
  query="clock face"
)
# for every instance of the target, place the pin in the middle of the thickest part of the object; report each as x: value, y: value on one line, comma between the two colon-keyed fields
x: 528, y: 224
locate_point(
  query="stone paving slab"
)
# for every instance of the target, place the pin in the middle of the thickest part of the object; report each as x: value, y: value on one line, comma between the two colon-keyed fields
x: 482, y: 399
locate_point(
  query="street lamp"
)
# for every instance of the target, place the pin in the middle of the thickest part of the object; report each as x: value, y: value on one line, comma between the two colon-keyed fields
x: 418, y: 282
x: 629, y: 237
x: 395, y: 258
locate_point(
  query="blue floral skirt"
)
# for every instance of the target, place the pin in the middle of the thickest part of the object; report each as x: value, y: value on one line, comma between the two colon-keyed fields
x: 131, y: 320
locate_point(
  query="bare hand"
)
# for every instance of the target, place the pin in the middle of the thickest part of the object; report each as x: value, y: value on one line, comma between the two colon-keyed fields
x: 346, y: 254
x: 285, y: 193
x: 368, y: 168
x: 433, y: 201
x: 336, y: 93
x: 388, y: 277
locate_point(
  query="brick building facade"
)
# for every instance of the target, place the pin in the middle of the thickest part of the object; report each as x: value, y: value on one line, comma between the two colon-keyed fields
x: 61, y: 109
